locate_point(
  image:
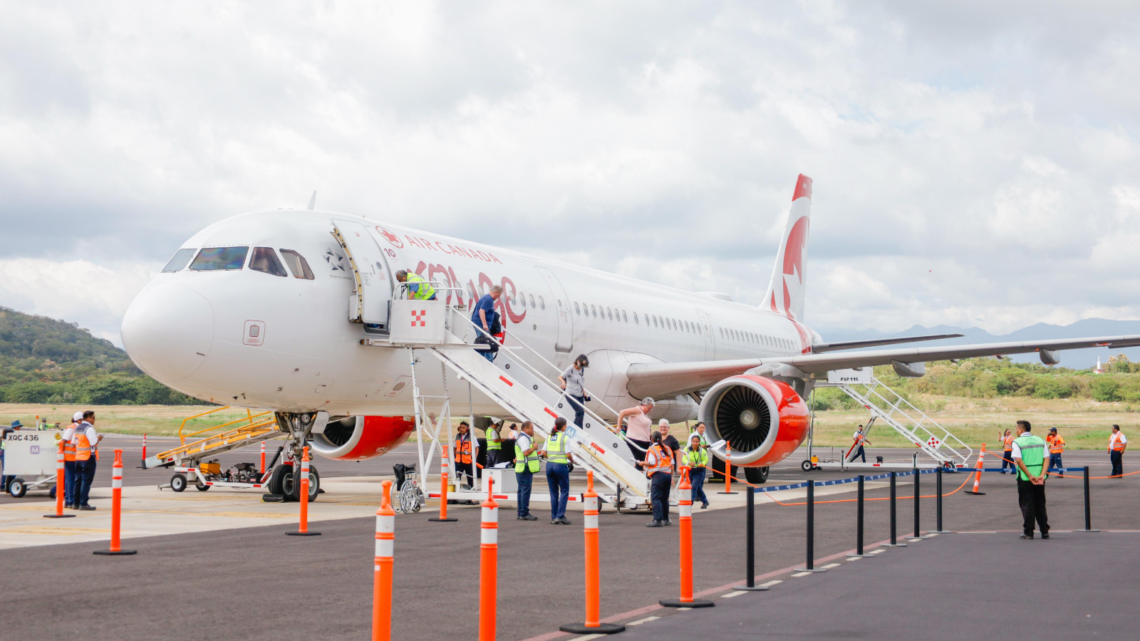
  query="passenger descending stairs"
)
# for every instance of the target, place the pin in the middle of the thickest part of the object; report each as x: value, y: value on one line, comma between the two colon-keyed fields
x: 194, y: 451
x: 526, y: 395
x: 891, y: 408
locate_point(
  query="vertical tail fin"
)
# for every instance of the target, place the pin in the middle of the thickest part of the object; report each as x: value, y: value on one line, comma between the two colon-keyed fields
x: 786, y: 290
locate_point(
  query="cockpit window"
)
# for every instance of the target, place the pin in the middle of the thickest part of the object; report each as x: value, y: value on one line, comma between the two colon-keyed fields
x: 265, y: 260
x: 211, y: 258
x: 297, y: 264
x: 178, y: 262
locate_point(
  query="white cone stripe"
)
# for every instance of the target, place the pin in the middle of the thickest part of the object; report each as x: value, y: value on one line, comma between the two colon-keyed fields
x: 686, y: 510
x: 591, y: 521
x: 385, y: 524
x: 592, y: 503
x: 116, y: 484
x: 490, y: 515
x: 385, y: 547
x: 489, y: 536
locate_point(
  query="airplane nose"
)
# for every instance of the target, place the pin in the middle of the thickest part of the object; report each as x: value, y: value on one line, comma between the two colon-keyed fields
x: 168, y: 330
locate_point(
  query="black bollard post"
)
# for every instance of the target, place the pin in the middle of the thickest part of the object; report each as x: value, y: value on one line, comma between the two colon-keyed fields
x: 938, y: 501
x: 750, y: 548
x: 859, y: 522
x: 894, y: 518
x: 917, y: 504
x: 810, y: 565
x: 1088, y: 506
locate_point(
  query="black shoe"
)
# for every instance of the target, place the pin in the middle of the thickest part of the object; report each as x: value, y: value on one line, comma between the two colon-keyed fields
x: 1027, y: 536
x: 564, y: 521
x: 655, y: 524
x: 87, y: 507
x: 528, y: 517
x: 668, y: 522
x: 704, y: 506
x: 1044, y: 535
x: 555, y: 522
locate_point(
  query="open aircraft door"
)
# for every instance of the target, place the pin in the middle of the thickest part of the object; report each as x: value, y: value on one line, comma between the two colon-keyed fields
x: 565, y: 338
x: 370, y: 303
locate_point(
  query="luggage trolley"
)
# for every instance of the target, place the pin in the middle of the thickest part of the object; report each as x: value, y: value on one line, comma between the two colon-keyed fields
x: 30, y: 456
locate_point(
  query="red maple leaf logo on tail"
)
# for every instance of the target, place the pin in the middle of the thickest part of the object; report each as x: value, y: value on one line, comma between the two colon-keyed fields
x: 391, y: 238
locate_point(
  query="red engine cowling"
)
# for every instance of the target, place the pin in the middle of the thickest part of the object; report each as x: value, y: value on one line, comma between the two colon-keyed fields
x: 763, y: 420
x: 356, y: 438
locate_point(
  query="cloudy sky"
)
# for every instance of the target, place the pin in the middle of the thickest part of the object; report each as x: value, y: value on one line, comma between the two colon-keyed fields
x: 975, y: 163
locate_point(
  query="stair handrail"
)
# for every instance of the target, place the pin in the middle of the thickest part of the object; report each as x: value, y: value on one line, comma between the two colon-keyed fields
x: 249, y: 416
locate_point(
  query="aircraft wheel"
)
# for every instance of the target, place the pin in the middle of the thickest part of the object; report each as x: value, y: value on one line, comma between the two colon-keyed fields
x: 178, y: 482
x: 288, y: 487
x: 807, y: 466
x: 756, y: 475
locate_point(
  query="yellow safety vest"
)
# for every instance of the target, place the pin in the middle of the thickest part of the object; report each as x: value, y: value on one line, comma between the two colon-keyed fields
x: 527, y: 463
x: 696, y: 458
x: 556, y: 448
x: 424, y: 291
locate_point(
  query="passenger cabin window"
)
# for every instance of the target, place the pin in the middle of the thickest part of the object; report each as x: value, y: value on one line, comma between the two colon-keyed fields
x: 179, y: 260
x: 532, y: 301
x: 624, y: 316
x: 635, y: 321
x: 577, y: 310
x: 219, y: 258
x: 265, y: 260
x: 297, y: 264
x: 541, y: 303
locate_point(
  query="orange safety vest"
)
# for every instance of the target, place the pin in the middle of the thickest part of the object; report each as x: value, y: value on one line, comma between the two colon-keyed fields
x: 69, y: 445
x: 664, y: 460
x: 1008, y: 443
x: 83, y: 449
x: 1116, y: 442
x: 1056, y: 445
x: 462, y: 451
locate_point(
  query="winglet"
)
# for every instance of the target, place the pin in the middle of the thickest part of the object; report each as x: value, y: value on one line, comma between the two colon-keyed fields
x: 313, y: 200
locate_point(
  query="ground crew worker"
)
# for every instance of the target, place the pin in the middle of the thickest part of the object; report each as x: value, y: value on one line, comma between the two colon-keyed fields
x: 556, y: 449
x: 697, y: 458
x: 637, y: 426
x: 699, y: 429
x: 1056, y: 447
x: 526, y: 465
x: 417, y: 287
x: 658, y: 466
x: 69, y: 465
x: 860, y: 441
x: 86, y: 457
x: 1117, y: 443
x: 463, y: 461
x: 494, y: 443
x: 1029, y: 454
x: 1007, y: 452
x: 670, y: 442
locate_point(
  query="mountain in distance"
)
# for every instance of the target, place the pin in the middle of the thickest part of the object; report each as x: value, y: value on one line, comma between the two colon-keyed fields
x: 1074, y: 359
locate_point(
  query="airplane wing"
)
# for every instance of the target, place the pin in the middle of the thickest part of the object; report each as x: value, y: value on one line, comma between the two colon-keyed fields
x: 664, y: 380
x: 878, y: 342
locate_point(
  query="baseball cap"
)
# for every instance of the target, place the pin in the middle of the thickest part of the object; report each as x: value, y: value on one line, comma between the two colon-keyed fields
x: 78, y: 416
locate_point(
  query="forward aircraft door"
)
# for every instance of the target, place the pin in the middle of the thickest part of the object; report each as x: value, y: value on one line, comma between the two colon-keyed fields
x: 564, y: 341
x: 370, y: 302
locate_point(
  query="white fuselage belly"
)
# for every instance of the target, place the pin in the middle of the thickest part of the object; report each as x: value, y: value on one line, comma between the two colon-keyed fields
x: 309, y: 357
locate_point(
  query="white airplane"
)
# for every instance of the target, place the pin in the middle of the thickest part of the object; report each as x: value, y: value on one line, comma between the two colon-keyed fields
x: 267, y: 310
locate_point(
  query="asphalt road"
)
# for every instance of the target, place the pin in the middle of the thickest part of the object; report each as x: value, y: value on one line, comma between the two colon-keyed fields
x: 258, y: 583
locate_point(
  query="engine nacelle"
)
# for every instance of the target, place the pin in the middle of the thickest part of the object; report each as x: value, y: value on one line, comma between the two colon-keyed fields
x: 355, y: 438
x: 763, y: 420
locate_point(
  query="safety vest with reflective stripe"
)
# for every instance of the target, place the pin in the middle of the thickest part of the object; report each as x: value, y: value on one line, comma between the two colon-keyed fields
x: 1032, y: 454
x: 556, y: 448
x: 525, y: 464
x: 1008, y: 441
x: 696, y: 458
x: 1116, y: 442
x: 462, y: 450
x: 664, y: 457
x: 1056, y: 445
x: 83, y: 446
x: 69, y: 444
x: 424, y: 291
x: 493, y: 445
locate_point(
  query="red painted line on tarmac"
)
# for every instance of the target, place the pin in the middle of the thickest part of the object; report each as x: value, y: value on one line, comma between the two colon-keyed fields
x: 723, y: 588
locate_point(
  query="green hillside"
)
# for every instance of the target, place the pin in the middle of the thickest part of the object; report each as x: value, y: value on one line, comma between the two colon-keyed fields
x: 43, y: 360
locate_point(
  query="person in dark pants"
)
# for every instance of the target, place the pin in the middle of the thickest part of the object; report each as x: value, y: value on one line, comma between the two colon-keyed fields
x: 86, y: 457
x: 464, y: 457
x: 1117, y: 443
x: 526, y: 465
x: 70, y: 491
x: 860, y: 439
x: 1029, y: 456
x: 494, y: 443
x: 637, y: 427
x: 486, y: 319
x: 1007, y: 452
x: 697, y: 458
x: 558, y: 461
x: 658, y: 465
x: 573, y: 382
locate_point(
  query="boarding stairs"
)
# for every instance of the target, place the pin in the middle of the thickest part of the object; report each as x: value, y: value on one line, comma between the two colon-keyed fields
x: 511, y: 382
x: 217, y: 439
x: 891, y: 408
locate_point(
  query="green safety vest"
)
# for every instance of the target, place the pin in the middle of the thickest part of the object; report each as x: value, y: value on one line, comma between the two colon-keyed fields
x: 1032, y: 454
x: 696, y: 458
x: 425, y: 292
x: 493, y: 445
x: 525, y: 464
x: 556, y: 448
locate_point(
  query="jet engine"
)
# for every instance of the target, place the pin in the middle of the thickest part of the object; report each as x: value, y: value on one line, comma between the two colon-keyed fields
x: 355, y: 438
x: 762, y: 419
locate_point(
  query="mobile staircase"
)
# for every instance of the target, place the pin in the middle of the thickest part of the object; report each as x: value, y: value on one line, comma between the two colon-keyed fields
x: 891, y: 408
x: 436, y: 328
x: 213, y: 440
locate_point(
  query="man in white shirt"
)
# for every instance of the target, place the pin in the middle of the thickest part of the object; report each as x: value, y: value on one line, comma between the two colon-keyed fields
x: 87, y: 457
x: 70, y: 478
x: 1117, y: 443
x: 860, y: 440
